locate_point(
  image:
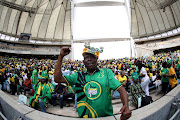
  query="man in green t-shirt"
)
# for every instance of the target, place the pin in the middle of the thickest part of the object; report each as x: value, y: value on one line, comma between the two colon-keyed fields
x: 178, y: 70
x: 165, y: 79
x: 44, y: 73
x: 34, y: 76
x: 93, y: 87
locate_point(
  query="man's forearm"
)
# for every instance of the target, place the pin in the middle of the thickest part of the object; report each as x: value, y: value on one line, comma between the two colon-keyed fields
x: 124, y: 96
x: 36, y: 84
x: 58, y: 73
x: 141, y: 75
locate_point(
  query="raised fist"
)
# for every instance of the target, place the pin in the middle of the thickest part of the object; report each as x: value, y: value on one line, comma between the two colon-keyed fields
x: 65, y: 51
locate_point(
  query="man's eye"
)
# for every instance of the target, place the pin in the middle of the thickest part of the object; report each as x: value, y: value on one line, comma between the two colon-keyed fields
x: 85, y: 57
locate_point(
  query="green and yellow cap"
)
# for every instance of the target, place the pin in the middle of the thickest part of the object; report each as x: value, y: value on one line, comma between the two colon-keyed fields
x: 135, y: 77
x: 92, y: 50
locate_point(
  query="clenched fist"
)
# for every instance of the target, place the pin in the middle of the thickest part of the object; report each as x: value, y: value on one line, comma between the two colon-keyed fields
x: 65, y: 51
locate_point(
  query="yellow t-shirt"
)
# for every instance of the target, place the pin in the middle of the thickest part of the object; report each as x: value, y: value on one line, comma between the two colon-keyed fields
x: 117, y: 76
x: 172, y: 81
x: 12, y: 80
x: 119, y: 66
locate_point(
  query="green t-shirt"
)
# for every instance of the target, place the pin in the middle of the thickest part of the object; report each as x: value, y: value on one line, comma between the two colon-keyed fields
x: 149, y: 64
x: 137, y: 69
x: 34, y: 77
x: 165, y: 71
x: 178, y: 67
x: 94, y: 93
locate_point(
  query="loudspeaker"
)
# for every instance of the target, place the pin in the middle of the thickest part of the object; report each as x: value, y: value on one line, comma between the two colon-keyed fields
x: 24, y: 37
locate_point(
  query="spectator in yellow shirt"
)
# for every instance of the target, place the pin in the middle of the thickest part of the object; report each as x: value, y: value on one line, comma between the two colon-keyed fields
x: 123, y: 79
x: 173, y: 77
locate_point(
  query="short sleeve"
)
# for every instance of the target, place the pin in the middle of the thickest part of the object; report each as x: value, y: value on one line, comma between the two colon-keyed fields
x: 71, y: 79
x: 114, y: 84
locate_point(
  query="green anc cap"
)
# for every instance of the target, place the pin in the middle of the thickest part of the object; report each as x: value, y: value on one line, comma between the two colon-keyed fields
x: 135, y: 77
x: 169, y: 62
x: 176, y: 60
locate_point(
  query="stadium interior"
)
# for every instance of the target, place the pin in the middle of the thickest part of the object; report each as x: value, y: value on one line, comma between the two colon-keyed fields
x: 34, y: 31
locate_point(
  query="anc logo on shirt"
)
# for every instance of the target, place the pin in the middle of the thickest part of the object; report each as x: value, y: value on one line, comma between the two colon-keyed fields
x: 92, y: 90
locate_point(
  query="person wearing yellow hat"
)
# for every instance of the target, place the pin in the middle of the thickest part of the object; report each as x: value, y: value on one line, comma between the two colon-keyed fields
x: 93, y: 87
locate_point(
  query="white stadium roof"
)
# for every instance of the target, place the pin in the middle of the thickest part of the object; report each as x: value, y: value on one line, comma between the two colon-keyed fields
x: 51, y: 20
x: 152, y: 17
x: 46, y: 20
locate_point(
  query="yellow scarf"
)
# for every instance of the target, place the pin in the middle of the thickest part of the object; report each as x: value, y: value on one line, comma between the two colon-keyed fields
x: 37, y: 95
x: 50, y: 87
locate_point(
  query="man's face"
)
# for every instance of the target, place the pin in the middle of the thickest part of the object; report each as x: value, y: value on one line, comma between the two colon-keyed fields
x: 136, y: 81
x: 43, y: 81
x: 90, y: 61
x: 122, y: 74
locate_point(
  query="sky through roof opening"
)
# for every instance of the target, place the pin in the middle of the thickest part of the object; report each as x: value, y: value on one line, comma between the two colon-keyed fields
x: 100, y: 22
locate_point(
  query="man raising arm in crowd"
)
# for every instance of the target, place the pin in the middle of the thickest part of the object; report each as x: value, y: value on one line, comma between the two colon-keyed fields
x: 93, y: 87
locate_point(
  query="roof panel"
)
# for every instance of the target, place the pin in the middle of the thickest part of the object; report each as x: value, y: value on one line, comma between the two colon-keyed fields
x: 39, y: 17
x: 52, y: 23
x: 3, y: 16
x: 11, y: 21
x: 36, y: 24
x: 164, y: 15
x: 6, y: 22
x: 22, y: 23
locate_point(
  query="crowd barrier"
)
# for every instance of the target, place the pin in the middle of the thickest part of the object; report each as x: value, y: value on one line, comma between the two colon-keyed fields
x: 158, y: 110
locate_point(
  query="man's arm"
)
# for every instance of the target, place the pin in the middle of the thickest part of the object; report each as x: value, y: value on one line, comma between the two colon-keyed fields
x: 141, y: 75
x: 58, y: 74
x: 125, y: 111
x: 37, y: 83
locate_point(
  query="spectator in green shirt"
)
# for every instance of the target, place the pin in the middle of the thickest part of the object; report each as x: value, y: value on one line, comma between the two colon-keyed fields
x: 93, y: 87
x: 178, y: 70
x: 165, y: 79
x: 34, y: 76
x: 44, y: 73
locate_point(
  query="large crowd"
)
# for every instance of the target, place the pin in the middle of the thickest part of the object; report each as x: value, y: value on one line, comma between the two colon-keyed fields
x: 137, y: 75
